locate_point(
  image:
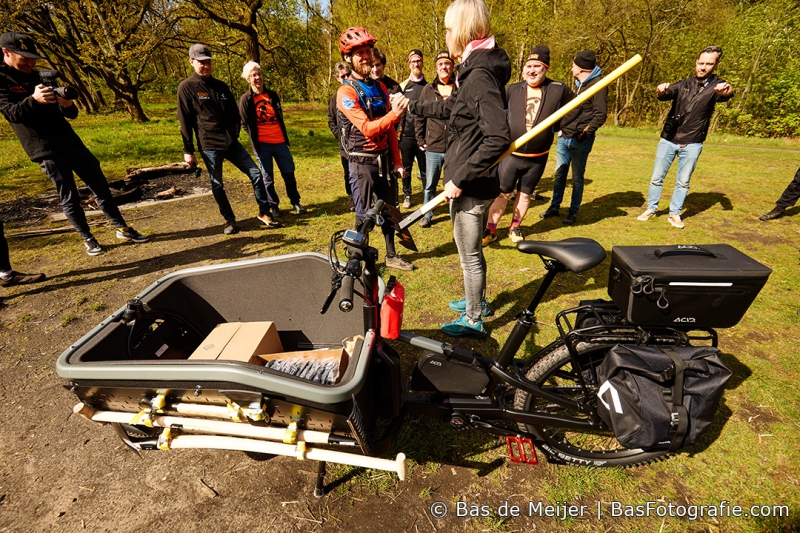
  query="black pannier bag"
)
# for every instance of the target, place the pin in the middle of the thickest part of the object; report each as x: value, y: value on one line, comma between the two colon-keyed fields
x: 652, y: 396
x: 704, y: 286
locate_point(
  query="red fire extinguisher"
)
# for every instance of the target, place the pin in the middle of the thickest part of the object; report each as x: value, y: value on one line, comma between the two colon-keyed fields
x: 392, y: 309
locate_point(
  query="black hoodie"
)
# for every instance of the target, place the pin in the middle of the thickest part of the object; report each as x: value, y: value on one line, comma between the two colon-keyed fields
x: 477, y: 129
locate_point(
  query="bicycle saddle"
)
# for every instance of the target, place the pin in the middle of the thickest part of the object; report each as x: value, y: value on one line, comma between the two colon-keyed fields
x: 576, y: 253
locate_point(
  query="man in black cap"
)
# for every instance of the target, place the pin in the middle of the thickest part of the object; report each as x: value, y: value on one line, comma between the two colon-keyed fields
x: 576, y: 138
x: 409, y: 149
x: 529, y: 103
x: 431, y: 132
x: 39, y: 118
x: 686, y: 127
x: 208, y: 110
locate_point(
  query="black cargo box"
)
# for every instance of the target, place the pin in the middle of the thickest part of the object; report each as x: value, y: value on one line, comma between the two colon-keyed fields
x: 685, y: 285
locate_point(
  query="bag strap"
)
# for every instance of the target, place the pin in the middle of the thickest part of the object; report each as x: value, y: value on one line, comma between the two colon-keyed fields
x: 680, y: 417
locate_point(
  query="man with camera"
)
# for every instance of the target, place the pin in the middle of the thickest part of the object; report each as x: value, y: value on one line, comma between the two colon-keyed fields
x: 37, y: 111
x: 686, y: 127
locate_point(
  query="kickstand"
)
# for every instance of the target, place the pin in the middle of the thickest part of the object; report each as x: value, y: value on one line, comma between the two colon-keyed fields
x: 319, y: 490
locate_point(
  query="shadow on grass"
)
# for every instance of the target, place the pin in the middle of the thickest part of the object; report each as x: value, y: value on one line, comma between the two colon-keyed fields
x: 698, y: 202
x: 237, y: 247
x: 608, y: 206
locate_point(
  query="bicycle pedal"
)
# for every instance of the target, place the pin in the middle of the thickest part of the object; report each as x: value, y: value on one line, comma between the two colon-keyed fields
x: 521, y: 450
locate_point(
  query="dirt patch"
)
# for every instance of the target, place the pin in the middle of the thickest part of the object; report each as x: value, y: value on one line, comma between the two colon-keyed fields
x: 758, y: 417
x: 33, y: 209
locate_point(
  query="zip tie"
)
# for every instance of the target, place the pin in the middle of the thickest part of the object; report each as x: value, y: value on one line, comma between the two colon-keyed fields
x: 256, y: 412
x: 143, y: 418
x: 157, y: 404
x: 290, y: 435
x: 235, y: 412
x: 165, y: 439
x: 300, y: 450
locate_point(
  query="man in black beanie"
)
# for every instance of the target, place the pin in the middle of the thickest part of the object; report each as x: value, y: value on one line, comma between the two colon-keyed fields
x: 529, y: 102
x: 576, y: 137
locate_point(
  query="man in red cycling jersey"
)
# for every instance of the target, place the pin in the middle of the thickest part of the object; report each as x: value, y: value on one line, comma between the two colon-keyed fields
x: 368, y: 137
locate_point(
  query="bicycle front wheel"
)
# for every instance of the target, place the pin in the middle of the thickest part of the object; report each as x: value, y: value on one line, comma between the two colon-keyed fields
x: 556, y: 373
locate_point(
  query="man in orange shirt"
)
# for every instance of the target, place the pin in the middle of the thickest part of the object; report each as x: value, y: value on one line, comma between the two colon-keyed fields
x: 368, y: 133
x: 529, y: 103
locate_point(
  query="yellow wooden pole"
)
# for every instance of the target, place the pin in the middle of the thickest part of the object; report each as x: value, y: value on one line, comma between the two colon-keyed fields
x: 539, y: 128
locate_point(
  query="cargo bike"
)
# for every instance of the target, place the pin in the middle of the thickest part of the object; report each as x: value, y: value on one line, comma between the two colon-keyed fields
x: 156, y: 369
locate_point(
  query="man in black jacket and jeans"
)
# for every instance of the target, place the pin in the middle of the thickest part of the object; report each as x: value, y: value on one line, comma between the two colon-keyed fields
x: 38, y: 116
x: 207, y: 109
x: 576, y: 138
x: 431, y: 133
x: 529, y: 102
x: 409, y: 149
x: 686, y: 127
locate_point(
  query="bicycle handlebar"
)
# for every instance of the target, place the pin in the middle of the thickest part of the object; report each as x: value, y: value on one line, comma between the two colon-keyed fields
x: 346, y: 303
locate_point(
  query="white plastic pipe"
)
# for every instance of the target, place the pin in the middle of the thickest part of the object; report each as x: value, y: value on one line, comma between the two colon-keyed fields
x: 248, y: 444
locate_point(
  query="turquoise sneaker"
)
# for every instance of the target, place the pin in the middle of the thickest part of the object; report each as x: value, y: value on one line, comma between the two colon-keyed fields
x: 461, y: 327
x: 460, y: 306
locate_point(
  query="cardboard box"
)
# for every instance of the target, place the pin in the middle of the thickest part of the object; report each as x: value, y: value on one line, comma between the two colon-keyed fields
x: 239, y: 341
x: 339, y: 353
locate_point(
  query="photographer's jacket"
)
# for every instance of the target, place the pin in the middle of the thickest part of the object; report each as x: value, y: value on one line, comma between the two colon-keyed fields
x: 42, y: 129
x: 554, y: 96
x: 207, y: 109
x: 693, y: 101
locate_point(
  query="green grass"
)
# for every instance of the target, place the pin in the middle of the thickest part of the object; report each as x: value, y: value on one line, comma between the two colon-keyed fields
x: 749, y: 456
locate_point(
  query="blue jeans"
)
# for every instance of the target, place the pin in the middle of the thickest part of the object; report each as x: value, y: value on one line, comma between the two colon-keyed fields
x: 237, y: 155
x: 687, y: 161
x: 265, y: 153
x: 577, y: 152
x: 433, y: 170
x: 469, y: 217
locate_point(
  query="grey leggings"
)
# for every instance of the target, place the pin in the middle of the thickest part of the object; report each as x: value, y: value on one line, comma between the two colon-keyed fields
x: 469, y: 217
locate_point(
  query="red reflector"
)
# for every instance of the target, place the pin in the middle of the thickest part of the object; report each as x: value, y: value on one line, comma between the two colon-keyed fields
x: 521, y: 450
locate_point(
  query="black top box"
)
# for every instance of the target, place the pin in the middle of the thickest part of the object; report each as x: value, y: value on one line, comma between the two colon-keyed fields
x: 685, y: 285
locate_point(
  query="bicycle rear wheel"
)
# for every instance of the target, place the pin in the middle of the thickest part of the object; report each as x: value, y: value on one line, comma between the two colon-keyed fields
x: 555, y: 373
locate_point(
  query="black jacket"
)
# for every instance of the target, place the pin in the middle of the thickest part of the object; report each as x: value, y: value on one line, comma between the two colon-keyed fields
x: 554, y: 95
x: 477, y: 129
x: 333, y: 123
x: 431, y: 132
x: 589, y: 116
x: 392, y: 86
x: 411, y: 90
x: 247, y: 113
x: 42, y: 129
x: 207, y: 109
x: 694, y: 124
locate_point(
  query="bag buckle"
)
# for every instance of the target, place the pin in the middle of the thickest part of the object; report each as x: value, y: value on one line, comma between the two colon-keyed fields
x: 517, y: 451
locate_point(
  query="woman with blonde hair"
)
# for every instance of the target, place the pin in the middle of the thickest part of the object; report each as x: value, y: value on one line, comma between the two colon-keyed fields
x: 477, y: 134
x: 262, y: 118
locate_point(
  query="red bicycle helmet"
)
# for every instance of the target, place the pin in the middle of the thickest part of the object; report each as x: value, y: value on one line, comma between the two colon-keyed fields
x: 353, y: 37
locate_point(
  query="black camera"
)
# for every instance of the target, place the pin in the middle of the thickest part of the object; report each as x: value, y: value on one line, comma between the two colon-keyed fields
x: 49, y: 78
x: 671, y: 126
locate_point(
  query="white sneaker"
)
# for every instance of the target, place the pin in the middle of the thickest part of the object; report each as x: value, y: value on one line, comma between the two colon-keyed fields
x: 647, y: 215
x: 676, y: 221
